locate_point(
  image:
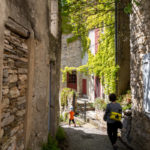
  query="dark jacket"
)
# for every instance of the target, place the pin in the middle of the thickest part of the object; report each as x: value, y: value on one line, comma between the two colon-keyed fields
x: 112, y: 107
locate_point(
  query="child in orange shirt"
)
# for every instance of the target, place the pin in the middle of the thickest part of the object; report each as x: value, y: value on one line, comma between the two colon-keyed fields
x: 71, y: 118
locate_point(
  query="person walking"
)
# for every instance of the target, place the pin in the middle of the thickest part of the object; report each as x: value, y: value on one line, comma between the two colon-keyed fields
x: 112, y: 116
x: 71, y: 117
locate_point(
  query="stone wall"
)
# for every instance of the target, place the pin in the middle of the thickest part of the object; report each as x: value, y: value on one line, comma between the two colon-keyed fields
x: 125, y: 132
x: 27, y: 48
x: 140, y: 45
x: 15, y: 76
x: 70, y: 55
x: 70, y: 52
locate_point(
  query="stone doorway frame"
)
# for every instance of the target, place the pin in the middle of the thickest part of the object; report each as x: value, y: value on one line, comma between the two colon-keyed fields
x: 22, y: 31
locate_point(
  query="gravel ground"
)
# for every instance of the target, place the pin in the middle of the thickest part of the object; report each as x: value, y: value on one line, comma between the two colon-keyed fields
x: 88, y: 137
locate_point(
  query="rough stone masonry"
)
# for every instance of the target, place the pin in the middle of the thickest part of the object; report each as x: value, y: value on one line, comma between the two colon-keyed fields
x: 15, y: 75
x: 140, y: 46
x: 29, y: 42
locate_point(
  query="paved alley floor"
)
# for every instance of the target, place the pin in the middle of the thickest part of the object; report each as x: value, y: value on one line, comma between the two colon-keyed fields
x: 88, y: 137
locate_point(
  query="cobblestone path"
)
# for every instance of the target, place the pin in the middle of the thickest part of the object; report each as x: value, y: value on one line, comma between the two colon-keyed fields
x: 88, y: 137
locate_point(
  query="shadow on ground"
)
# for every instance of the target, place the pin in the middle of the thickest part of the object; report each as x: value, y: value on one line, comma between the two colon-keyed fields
x: 87, y: 139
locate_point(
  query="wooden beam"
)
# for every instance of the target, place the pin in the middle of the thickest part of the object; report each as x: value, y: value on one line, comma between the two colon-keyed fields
x: 17, y: 28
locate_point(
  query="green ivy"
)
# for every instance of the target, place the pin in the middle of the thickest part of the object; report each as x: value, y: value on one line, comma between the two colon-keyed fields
x: 85, y: 15
x: 100, y: 104
x: 65, y: 94
x: 72, y: 39
x: 66, y: 26
x: 52, y: 144
x: 60, y: 135
x: 128, y: 8
x: 65, y: 71
x: 125, y: 100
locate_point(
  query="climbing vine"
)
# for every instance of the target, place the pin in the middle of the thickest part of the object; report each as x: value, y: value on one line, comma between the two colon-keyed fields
x: 83, y: 69
x: 65, y: 94
x: 128, y: 8
x: 85, y: 15
x: 66, y: 25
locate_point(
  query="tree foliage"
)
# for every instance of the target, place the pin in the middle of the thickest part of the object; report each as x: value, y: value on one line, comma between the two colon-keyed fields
x: 81, y: 16
x: 65, y: 94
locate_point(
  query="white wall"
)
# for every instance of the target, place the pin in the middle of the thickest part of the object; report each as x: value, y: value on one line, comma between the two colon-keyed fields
x: 92, y: 38
x: 91, y: 89
x: 85, y: 59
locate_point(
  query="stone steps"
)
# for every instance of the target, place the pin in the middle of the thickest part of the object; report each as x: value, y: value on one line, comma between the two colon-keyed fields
x: 97, y: 123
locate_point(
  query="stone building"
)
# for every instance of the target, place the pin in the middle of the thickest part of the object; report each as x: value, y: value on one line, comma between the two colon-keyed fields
x: 140, y: 75
x: 29, y: 60
x: 71, y: 56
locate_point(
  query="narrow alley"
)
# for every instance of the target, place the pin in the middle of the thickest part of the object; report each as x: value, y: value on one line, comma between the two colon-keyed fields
x: 85, y: 62
x: 88, y: 137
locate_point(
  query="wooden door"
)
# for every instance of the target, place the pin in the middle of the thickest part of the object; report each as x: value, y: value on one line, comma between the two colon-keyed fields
x: 97, y: 87
x: 84, y: 87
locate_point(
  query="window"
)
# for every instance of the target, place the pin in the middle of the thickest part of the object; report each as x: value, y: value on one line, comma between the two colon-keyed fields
x: 72, y: 77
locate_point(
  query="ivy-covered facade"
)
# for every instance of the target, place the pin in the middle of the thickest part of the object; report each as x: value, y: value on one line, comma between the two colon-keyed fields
x: 99, y: 15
